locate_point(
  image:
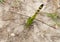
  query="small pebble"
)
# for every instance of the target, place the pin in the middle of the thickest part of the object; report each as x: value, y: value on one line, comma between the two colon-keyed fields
x: 12, y: 34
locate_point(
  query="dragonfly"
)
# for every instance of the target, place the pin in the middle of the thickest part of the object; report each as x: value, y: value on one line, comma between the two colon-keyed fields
x: 53, y: 16
x: 31, y: 19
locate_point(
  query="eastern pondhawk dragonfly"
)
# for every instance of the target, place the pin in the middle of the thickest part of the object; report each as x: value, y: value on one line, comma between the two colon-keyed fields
x: 53, y: 16
x: 31, y: 19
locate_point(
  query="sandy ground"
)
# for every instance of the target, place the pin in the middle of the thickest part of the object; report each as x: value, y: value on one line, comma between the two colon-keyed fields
x: 13, y: 16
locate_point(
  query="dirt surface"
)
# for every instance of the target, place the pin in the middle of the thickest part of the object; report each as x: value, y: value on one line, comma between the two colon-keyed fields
x: 13, y: 16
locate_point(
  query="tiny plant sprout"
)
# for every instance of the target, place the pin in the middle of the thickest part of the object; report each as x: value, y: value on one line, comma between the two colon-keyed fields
x: 1, y: 1
x: 31, y: 19
x: 54, y: 17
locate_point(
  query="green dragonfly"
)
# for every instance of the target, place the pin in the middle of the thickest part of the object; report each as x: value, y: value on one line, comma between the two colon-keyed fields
x: 53, y: 16
x: 31, y: 19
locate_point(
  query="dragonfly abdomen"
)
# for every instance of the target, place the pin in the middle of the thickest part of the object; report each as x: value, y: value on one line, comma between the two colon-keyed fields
x: 40, y: 7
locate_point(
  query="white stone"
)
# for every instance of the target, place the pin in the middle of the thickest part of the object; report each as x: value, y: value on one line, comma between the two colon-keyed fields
x: 12, y: 34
